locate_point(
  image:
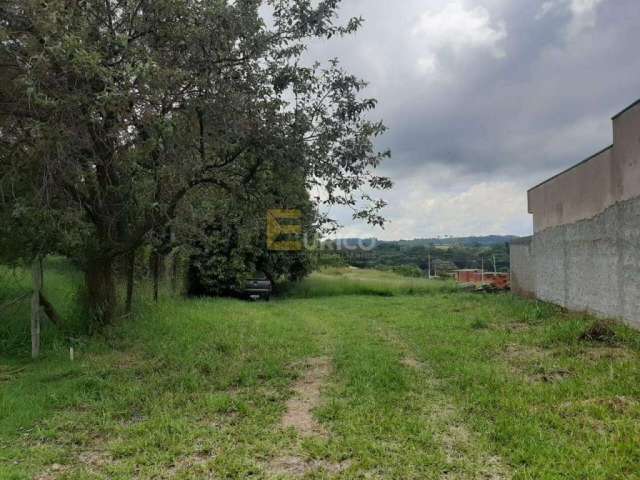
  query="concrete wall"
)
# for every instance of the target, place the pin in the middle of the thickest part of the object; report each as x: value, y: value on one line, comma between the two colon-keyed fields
x: 579, y: 193
x: 626, y: 152
x: 595, y: 184
x: 585, y: 252
x: 592, y: 265
x: 522, y: 267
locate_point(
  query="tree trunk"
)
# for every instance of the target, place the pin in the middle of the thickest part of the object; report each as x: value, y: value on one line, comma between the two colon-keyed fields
x: 131, y: 270
x: 101, y: 290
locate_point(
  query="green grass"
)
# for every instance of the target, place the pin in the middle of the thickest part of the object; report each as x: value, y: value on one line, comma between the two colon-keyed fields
x: 351, y: 281
x: 427, y: 382
x: 62, y: 284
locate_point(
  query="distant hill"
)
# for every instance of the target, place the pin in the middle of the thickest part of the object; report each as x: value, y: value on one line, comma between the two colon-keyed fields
x: 442, y: 254
x: 482, y: 241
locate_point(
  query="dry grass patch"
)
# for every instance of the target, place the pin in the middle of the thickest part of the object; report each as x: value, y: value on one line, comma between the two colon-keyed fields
x: 465, y: 460
x: 196, y: 462
x: 598, y: 353
x: 517, y: 327
x: 524, y: 354
x: 95, y: 458
x: 92, y: 459
x: 530, y: 362
x: 295, y: 466
x: 618, y: 404
x: 411, y: 362
x: 53, y: 472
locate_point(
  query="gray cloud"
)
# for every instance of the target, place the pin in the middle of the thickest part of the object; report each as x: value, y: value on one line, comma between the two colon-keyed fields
x: 482, y: 93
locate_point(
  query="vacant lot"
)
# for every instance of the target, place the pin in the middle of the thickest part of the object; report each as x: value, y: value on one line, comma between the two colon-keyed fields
x: 353, y: 375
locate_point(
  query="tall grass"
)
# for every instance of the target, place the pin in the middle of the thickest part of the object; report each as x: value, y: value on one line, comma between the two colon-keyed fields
x: 334, y: 282
x: 62, y: 282
x: 63, y: 287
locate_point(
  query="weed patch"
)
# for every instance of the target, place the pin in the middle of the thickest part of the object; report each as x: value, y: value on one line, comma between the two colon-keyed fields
x: 600, y: 331
x: 479, y: 324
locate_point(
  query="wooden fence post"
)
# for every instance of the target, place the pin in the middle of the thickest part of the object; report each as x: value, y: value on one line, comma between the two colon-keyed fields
x: 36, y: 272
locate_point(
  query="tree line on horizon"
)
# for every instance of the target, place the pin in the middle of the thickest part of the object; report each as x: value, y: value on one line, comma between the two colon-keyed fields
x: 420, y: 256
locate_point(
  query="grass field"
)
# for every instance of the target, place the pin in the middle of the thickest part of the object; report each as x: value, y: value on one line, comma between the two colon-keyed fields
x: 354, y: 375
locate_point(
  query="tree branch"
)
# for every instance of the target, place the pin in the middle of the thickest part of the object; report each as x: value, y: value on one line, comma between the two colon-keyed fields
x: 50, y: 311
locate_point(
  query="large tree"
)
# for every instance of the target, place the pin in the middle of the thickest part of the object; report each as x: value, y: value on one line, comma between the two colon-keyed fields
x: 122, y: 109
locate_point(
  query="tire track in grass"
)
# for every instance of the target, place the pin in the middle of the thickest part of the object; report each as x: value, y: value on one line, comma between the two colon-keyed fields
x: 299, y: 417
x: 459, y: 445
x: 370, y: 407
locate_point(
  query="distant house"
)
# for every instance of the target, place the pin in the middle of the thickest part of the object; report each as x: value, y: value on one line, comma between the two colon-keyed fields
x: 585, y: 251
x: 474, y: 276
x: 467, y: 275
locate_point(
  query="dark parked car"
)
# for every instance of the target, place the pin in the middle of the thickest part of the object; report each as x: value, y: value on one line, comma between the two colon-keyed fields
x: 258, y: 287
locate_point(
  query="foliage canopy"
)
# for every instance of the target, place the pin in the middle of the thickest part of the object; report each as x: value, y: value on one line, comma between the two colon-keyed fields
x: 116, y: 114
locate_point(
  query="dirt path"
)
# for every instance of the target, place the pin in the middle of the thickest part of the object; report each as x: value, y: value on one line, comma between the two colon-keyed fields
x: 299, y: 416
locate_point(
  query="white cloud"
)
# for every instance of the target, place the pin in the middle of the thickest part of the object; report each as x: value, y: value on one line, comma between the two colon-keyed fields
x: 584, y: 13
x: 485, y: 207
x: 439, y: 201
x: 456, y: 29
x: 584, y: 7
x: 545, y: 9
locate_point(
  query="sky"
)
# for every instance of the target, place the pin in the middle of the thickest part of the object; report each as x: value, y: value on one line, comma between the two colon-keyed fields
x: 484, y: 99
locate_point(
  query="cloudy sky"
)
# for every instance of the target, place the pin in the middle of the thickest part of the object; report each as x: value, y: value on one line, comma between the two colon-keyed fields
x: 484, y: 99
